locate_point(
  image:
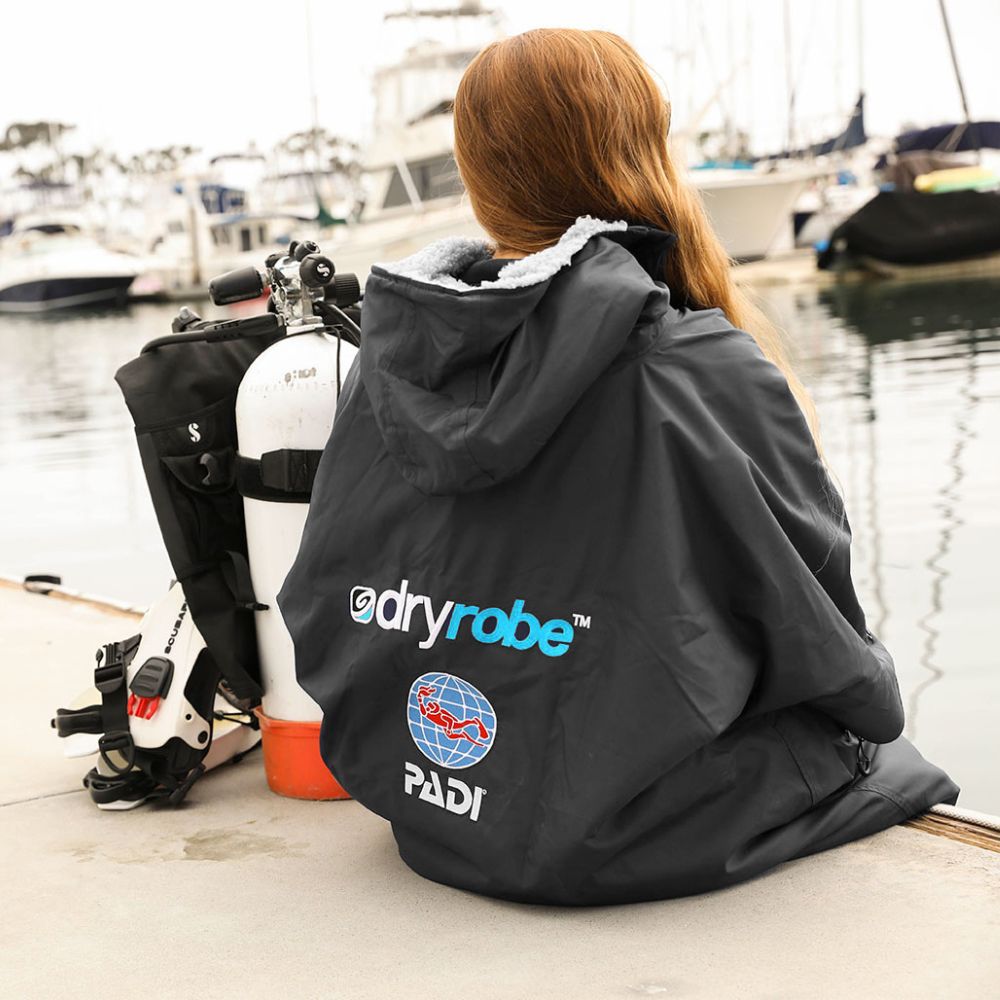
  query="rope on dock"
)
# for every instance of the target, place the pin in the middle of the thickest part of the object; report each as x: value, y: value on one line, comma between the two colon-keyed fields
x: 66, y: 594
x: 968, y: 816
x: 964, y: 825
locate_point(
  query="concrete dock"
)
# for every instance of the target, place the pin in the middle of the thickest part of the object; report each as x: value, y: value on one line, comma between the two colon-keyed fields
x: 795, y: 267
x: 240, y: 893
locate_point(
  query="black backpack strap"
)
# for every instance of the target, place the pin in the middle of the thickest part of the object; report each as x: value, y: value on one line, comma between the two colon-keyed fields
x: 109, y: 720
x: 236, y: 573
x: 283, y: 476
x: 110, y: 678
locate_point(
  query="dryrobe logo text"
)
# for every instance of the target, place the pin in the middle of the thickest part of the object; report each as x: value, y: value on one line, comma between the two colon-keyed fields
x: 402, y: 611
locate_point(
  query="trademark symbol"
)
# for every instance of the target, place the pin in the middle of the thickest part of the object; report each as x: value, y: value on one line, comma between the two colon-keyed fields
x: 581, y: 621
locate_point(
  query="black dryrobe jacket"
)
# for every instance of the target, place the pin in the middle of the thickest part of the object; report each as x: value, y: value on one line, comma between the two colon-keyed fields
x: 574, y: 592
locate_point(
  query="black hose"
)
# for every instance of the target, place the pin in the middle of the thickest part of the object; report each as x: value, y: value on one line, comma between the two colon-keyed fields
x: 336, y: 317
x: 234, y: 329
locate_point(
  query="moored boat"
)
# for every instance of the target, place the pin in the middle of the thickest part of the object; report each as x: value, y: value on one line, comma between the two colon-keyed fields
x: 751, y: 210
x: 905, y: 232
x: 51, y: 263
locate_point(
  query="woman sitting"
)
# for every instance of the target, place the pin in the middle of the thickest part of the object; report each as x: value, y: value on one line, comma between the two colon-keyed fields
x: 575, y: 593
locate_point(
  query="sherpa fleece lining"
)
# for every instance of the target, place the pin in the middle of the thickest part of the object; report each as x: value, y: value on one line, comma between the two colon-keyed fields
x: 439, y: 262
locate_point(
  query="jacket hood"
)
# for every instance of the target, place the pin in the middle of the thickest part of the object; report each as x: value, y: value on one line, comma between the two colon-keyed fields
x: 468, y: 383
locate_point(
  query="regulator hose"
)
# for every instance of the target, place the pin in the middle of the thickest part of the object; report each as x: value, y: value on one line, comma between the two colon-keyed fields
x: 234, y: 329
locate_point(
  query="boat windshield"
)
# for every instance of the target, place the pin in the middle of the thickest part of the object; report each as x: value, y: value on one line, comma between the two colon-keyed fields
x: 435, y: 177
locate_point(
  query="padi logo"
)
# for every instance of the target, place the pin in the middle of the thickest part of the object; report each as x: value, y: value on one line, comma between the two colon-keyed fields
x: 517, y: 629
x: 451, y: 722
x: 454, y: 725
x: 454, y: 796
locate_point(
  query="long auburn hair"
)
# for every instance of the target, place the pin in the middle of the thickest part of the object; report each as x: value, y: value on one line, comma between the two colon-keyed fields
x: 557, y: 123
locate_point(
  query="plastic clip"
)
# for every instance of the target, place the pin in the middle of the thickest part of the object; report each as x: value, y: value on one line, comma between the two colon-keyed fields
x: 122, y: 743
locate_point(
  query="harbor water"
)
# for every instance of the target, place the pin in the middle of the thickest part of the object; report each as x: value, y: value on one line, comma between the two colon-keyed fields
x: 906, y: 379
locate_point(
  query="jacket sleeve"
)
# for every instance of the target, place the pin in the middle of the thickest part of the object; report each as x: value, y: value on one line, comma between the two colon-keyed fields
x: 786, y: 538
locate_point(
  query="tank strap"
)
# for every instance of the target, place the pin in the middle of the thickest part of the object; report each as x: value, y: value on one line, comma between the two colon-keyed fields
x: 284, y: 476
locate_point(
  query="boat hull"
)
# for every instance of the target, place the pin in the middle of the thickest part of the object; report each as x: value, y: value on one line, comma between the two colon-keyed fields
x: 906, y: 232
x: 751, y: 212
x: 44, y: 294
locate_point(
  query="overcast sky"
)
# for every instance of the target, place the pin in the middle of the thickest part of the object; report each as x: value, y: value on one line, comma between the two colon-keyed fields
x: 218, y: 73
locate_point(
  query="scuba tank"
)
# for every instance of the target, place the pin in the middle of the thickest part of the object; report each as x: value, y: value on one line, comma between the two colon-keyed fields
x: 186, y: 394
x: 284, y: 414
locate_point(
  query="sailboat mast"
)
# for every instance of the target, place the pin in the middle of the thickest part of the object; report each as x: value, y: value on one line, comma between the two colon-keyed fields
x: 838, y: 59
x: 954, y: 61
x: 313, y: 104
x: 789, y: 77
x: 860, y: 25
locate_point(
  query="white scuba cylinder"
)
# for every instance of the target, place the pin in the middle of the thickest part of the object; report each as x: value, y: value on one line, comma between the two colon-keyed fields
x: 286, y: 400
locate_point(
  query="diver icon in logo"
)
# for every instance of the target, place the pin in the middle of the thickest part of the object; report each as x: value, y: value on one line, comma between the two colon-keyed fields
x: 451, y: 722
x: 453, y: 728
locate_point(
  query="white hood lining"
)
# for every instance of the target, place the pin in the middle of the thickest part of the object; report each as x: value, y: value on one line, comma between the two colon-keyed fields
x: 438, y: 263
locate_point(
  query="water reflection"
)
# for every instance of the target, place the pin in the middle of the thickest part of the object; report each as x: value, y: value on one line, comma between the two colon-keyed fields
x: 949, y: 505
x: 907, y: 382
x: 886, y: 311
x: 74, y: 500
x: 881, y: 608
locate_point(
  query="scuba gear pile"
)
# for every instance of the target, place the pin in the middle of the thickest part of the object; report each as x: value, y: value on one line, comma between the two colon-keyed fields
x: 197, y: 395
x: 153, y: 708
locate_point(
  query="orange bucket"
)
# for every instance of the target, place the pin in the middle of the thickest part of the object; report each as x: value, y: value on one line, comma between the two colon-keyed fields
x: 292, y: 761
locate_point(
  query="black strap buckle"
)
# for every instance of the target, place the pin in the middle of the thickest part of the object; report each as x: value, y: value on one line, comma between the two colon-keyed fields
x: 112, y: 662
x: 122, y: 743
x: 109, y: 678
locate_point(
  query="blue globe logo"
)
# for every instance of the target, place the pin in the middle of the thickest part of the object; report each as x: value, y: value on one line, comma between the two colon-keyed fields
x: 451, y: 722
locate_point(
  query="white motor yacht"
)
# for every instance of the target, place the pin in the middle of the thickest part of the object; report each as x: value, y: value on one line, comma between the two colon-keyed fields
x: 190, y: 244
x: 50, y: 262
x: 412, y: 191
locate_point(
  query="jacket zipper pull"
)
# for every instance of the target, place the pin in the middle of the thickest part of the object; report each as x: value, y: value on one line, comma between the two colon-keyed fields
x: 864, y: 761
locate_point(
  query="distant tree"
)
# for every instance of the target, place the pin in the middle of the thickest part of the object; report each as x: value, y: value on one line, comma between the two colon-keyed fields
x: 327, y: 151
x: 21, y: 135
